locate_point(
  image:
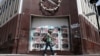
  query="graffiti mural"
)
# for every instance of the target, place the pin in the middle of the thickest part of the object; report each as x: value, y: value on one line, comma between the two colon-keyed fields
x: 61, y: 35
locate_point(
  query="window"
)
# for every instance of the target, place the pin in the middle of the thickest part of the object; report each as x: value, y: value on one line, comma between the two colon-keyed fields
x: 6, y: 5
x: 15, y: 11
x: 6, y: 19
x: 85, y: 1
x: 13, y: 0
x: 10, y: 15
x: 9, y: 2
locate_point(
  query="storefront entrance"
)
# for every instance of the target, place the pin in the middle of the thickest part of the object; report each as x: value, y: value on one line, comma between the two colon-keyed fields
x: 60, y: 30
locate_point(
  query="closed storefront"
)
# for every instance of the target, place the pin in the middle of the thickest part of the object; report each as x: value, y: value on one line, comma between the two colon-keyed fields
x: 60, y: 31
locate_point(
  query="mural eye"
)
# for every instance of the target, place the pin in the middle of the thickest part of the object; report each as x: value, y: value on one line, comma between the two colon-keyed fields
x: 55, y: 35
x: 42, y: 45
x: 64, y: 35
x: 36, y: 34
x: 65, y: 45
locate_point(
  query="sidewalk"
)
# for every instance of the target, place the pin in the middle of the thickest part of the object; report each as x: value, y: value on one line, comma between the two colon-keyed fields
x: 46, y: 55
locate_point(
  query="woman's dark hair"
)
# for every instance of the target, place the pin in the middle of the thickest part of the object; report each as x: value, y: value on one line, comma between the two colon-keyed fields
x: 49, y: 31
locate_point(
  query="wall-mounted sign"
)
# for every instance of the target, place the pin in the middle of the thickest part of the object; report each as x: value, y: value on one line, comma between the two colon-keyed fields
x: 75, y: 25
x: 50, y: 6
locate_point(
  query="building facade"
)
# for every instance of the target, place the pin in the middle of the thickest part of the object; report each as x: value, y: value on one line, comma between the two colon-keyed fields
x: 24, y: 22
x: 89, y: 21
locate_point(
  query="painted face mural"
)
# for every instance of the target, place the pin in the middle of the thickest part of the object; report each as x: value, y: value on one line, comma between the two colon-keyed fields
x: 61, y: 35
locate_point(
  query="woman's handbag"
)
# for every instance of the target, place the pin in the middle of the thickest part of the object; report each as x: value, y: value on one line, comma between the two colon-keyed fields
x: 44, y: 39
